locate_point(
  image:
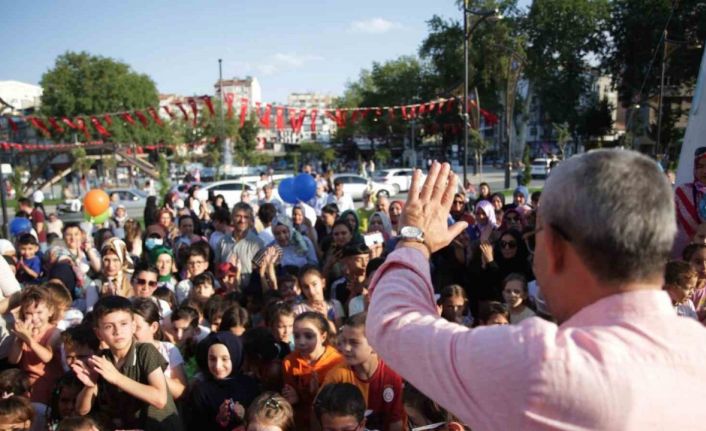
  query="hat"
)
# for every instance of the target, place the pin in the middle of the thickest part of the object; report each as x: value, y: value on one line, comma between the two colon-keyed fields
x: 6, y: 248
x: 225, y: 268
x: 158, y: 251
x: 156, y: 229
x: 355, y: 249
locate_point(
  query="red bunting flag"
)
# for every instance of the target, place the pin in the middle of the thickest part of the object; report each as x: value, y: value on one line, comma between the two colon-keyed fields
x: 431, y: 107
x: 145, y: 122
x: 314, y: 114
x: 450, y: 105
x: 127, y: 117
x: 12, y: 124
x: 55, y: 124
x: 378, y: 112
x: 441, y: 106
x: 168, y: 111
x: 404, y: 112
x: 99, y: 127
x: 194, y: 108
x: 209, y: 104
x: 180, y: 105
x: 229, y: 101
x: 412, y: 112
x: 108, y: 120
x: 422, y: 109
x: 81, y: 125
x: 292, y: 117
x: 279, y: 117
x: 243, y: 110
x: 265, y: 119
x: 39, y: 125
x: 300, y: 121
x: 338, y: 116
x: 364, y: 112
x: 154, y: 115
x: 69, y: 123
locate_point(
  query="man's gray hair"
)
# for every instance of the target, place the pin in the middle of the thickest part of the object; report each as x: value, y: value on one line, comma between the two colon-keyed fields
x: 242, y: 206
x: 616, y: 208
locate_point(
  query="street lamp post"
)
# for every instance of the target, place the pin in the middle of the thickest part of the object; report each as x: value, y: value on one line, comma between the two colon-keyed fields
x: 467, y: 33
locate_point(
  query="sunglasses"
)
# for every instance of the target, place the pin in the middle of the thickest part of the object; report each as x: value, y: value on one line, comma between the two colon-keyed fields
x: 508, y: 244
x: 142, y: 282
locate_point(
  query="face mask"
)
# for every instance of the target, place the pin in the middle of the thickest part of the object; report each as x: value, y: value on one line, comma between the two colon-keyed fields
x: 151, y: 243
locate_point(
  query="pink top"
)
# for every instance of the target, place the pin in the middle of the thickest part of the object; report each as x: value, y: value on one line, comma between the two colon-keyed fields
x: 626, y: 362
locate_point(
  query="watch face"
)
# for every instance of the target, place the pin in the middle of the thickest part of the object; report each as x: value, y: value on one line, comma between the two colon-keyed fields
x: 410, y: 232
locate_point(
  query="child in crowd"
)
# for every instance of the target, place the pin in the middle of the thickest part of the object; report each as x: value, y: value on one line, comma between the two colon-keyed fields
x: 125, y: 382
x: 234, y: 319
x: 340, y: 406
x: 163, y: 293
x: 63, y: 400
x: 16, y: 413
x: 29, y: 267
x: 213, y: 311
x: 306, y: 367
x: 270, y: 412
x: 359, y: 304
x: 229, y: 277
x: 279, y: 318
x: 162, y: 258
x: 313, y: 283
x: 184, y: 331
x: 196, y: 263
x: 454, y: 305
x: 78, y: 423
x: 203, y: 287
x: 15, y: 382
x: 61, y: 298
x: 695, y: 255
x: 220, y: 400
x: 78, y: 343
x: 680, y: 283
x: 515, y: 293
x: 147, y: 330
x: 36, y: 345
x: 492, y: 313
x: 381, y: 387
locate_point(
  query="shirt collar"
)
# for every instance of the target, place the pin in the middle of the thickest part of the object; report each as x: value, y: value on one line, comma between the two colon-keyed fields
x: 623, y: 307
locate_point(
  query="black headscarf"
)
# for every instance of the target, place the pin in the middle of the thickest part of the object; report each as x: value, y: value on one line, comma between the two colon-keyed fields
x: 228, y: 339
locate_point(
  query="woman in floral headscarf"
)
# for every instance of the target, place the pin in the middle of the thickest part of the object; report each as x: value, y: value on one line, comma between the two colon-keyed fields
x: 297, y: 250
x: 690, y: 202
x: 116, y: 270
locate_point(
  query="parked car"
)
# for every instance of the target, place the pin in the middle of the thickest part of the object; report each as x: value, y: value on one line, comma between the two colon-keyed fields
x: 399, y: 179
x: 540, y: 168
x: 130, y: 198
x: 355, y: 185
x: 230, y: 189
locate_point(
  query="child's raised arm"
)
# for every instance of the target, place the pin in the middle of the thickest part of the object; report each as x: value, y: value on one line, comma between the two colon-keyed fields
x: 153, y: 393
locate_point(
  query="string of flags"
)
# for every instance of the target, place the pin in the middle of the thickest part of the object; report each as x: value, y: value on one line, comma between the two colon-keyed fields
x: 190, y: 108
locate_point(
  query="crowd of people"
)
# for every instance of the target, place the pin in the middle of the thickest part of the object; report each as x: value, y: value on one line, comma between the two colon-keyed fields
x: 253, y: 317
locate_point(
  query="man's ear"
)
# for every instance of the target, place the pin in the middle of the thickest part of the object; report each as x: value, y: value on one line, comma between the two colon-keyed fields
x: 556, y: 248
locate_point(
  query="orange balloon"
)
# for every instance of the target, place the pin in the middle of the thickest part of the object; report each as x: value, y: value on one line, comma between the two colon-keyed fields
x: 96, y: 202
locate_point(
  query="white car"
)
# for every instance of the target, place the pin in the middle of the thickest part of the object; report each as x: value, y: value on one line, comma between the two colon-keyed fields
x: 355, y: 185
x: 230, y: 189
x: 399, y: 179
x: 540, y: 168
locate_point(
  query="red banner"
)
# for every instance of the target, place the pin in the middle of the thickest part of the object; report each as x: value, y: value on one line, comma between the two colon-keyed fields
x: 81, y: 125
x: 108, y: 120
x: 279, y: 118
x: 183, y: 111
x: 229, y: 101
x: 168, y: 111
x: 12, y: 124
x: 99, y: 127
x: 265, y: 119
x: 39, y: 125
x: 154, y: 115
x: 55, y: 124
x: 243, y: 110
x: 194, y: 108
x: 127, y: 117
x: 145, y: 122
x: 209, y: 104
x: 314, y: 114
x: 69, y: 123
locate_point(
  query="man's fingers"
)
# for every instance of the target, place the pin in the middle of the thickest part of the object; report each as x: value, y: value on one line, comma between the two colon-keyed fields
x: 428, y: 187
x: 415, y: 187
x: 448, y: 191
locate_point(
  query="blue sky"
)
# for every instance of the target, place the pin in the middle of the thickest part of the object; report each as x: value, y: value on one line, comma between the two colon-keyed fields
x: 307, y: 45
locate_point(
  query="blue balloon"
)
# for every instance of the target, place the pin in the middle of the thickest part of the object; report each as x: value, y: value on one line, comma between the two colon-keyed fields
x: 20, y: 225
x: 304, y: 187
x: 286, y: 191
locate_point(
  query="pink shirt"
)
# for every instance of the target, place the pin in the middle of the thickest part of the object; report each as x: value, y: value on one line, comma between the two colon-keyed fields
x: 626, y: 362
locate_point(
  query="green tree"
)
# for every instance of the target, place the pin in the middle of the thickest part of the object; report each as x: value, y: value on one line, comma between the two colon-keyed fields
x: 563, y: 136
x: 80, y: 160
x: 562, y: 36
x: 596, y: 121
x: 527, y: 169
x: 81, y: 84
x: 164, y: 179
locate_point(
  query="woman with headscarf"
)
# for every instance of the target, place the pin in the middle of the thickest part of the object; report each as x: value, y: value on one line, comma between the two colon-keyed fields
x: 380, y: 222
x: 395, y: 213
x: 116, y: 271
x: 512, y: 219
x: 521, y: 198
x: 220, y: 400
x: 150, y: 213
x: 297, y: 250
x: 690, y: 202
x: 484, y: 228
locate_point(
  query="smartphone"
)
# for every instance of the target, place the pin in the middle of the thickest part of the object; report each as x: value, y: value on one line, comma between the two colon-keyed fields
x: 373, y: 238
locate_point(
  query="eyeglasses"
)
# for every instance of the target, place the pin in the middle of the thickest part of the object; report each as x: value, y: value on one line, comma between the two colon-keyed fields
x: 508, y: 244
x: 142, y: 282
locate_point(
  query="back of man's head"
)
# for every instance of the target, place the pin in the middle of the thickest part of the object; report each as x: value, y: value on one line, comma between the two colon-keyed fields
x: 616, y: 208
x: 266, y: 213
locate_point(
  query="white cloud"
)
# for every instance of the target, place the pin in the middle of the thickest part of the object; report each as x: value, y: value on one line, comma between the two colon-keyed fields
x: 294, y: 60
x: 374, y: 26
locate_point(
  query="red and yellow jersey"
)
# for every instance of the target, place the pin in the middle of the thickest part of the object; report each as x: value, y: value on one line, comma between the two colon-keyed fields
x: 382, y: 392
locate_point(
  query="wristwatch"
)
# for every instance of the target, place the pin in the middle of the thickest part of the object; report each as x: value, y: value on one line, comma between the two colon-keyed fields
x: 413, y: 234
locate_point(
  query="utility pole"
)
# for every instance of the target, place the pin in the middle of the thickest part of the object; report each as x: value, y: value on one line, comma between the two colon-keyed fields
x: 225, y: 142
